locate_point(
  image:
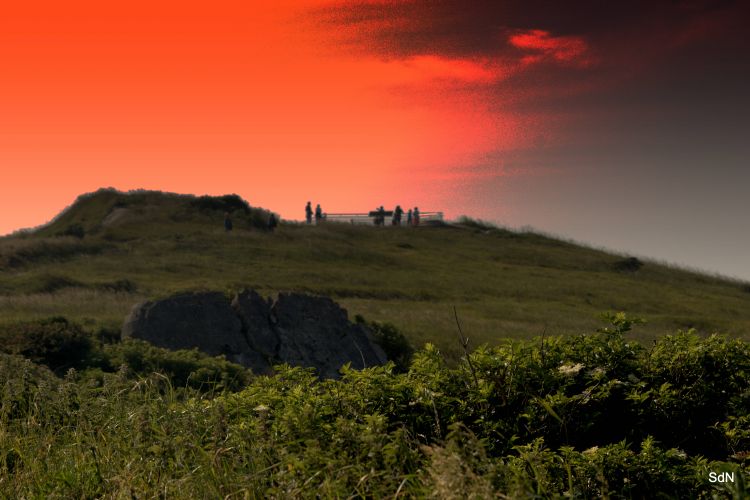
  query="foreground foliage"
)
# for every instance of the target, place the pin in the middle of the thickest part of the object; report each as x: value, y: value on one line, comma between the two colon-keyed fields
x: 582, y: 417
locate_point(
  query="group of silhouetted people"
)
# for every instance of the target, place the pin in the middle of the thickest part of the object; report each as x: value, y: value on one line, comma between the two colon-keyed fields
x: 379, y: 215
x: 412, y: 216
x: 319, y: 216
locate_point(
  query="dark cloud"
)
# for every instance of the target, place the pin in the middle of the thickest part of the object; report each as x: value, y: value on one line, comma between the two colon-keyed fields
x: 634, y: 114
x: 556, y: 55
x: 458, y: 28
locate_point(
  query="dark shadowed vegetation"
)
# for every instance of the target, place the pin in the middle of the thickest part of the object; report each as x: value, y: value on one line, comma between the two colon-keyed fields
x: 628, y: 265
x: 585, y: 416
x: 61, y: 345
x: 228, y: 203
x: 22, y: 251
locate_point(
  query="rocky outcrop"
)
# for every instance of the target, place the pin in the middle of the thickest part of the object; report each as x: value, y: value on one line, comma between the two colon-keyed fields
x: 304, y: 330
x: 196, y: 320
x: 297, y: 329
x: 255, y: 314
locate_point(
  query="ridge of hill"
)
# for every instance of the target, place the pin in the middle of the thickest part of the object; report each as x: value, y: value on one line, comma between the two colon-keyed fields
x: 110, y: 250
x: 133, y: 212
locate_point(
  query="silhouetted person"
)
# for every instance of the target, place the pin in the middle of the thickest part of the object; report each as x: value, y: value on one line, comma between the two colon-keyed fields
x: 408, y: 218
x: 227, y: 222
x: 318, y: 214
x: 381, y: 215
x: 308, y: 213
x: 397, y: 213
x: 415, y: 216
x: 272, y: 222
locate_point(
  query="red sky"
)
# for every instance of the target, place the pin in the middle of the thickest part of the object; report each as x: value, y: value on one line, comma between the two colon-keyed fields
x: 570, y: 117
x: 253, y: 98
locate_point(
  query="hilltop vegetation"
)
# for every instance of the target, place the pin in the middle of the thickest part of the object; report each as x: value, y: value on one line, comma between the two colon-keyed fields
x: 115, y: 216
x: 110, y: 250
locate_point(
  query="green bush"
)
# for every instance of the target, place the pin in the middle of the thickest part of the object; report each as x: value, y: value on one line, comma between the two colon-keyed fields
x: 227, y: 203
x: 242, y: 213
x: 628, y: 265
x: 76, y: 230
x: 53, y: 342
x: 590, y: 416
x: 23, y: 385
x: 184, y: 368
x: 62, y: 345
x: 394, y: 343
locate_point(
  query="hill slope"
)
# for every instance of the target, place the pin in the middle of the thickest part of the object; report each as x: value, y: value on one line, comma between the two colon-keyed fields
x: 110, y: 250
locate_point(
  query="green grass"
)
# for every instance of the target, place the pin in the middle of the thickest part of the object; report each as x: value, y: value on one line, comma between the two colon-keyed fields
x: 578, y: 416
x: 591, y: 416
x: 505, y: 284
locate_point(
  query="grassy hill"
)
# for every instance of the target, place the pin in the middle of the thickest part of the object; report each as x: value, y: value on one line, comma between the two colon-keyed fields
x: 110, y: 250
x: 574, y: 416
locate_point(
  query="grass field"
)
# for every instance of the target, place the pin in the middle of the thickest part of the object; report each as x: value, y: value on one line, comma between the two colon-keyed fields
x: 504, y: 284
x: 557, y: 416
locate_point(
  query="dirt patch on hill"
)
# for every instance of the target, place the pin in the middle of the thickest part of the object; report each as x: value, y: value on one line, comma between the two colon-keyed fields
x: 116, y: 216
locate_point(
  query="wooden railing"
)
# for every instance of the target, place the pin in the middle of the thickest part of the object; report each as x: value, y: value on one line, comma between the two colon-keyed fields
x: 369, y: 217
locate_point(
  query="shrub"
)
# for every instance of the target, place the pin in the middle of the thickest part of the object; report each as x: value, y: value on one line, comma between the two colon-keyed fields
x: 20, y: 383
x: 106, y: 335
x: 589, y: 416
x: 395, y: 345
x: 75, y: 230
x: 53, y: 342
x: 628, y: 265
x: 226, y: 203
x: 184, y: 368
x: 259, y: 219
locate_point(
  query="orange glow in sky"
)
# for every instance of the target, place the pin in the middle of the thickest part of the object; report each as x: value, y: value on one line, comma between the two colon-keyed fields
x: 248, y: 97
x: 520, y: 112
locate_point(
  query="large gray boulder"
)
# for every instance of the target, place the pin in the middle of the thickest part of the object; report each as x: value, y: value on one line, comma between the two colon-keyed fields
x: 192, y: 320
x: 255, y: 314
x: 315, y: 331
x: 297, y: 329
